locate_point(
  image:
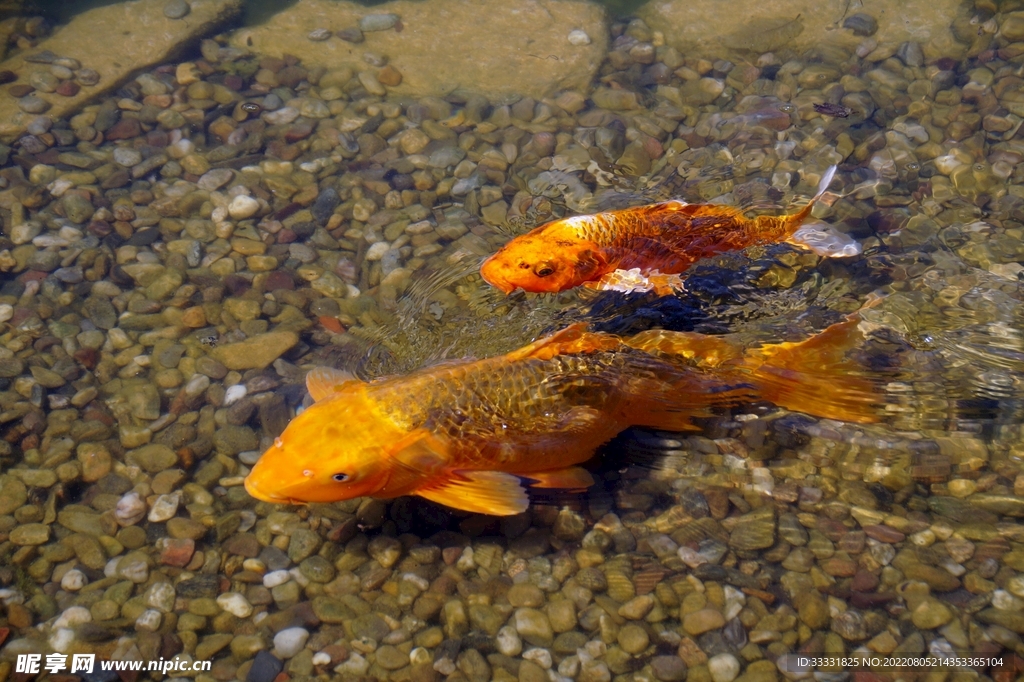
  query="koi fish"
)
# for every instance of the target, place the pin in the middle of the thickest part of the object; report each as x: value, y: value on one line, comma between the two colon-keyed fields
x: 469, y: 434
x: 666, y: 237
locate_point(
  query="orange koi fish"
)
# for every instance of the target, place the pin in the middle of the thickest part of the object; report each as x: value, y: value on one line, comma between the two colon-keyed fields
x: 468, y: 434
x: 661, y: 240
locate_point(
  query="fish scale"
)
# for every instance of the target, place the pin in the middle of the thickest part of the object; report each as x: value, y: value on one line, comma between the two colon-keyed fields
x: 466, y: 434
x: 665, y: 238
x: 529, y: 397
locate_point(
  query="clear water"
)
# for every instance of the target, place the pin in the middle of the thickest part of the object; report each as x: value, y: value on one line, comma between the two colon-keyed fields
x: 706, y: 543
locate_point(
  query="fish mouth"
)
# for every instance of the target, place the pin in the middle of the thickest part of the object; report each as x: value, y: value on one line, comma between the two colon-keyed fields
x: 254, y: 491
x: 495, y: 279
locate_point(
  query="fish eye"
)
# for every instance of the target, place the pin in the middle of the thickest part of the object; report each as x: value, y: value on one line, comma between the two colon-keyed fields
x: 543, y: 269
x: 340, y: 478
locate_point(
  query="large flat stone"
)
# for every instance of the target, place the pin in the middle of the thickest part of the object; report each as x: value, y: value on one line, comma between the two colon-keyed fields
x: 492, y: 47
x: 116, y: 41
x: 710, y: 28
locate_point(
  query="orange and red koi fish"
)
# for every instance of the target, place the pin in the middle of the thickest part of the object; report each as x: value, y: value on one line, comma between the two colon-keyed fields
x: 659, y: 239
x: 470, y: 434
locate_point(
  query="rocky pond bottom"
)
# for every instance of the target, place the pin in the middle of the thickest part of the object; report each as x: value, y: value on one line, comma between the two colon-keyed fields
x: 178, y: 253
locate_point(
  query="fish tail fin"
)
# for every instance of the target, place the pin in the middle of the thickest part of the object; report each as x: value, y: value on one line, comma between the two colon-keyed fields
x: 770, y: 229
x: 793, y: 221
x: 817, y: 376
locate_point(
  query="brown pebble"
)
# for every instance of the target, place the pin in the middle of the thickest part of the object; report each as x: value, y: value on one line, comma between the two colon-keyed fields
x: 19, y: 616
x: 864, y: 581
x: 87, y: 357
x: 124, y: 129
x: 884, y: 534
x: 68, y: 88
x: 19, y: 90
x: 178, y: 552
x: 7, y: 77
x: 390, y: 76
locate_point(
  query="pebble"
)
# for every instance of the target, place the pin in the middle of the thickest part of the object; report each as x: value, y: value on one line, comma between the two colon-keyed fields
x: 242, y: 207
x: 130, y: 509
x: 378, y: 22
x: 176, y: 9
x: 156, y: 341
x: 671, y: 669
x: 33, y: 104
x: 723, y: 667
x: 578, y: 37
x: 235, y: 604
x: 73, y: 580
x: 164, y: 508
x: 861, y: 24
x: 704, y: 620
x: 508, y: 642
x: 289, y: 642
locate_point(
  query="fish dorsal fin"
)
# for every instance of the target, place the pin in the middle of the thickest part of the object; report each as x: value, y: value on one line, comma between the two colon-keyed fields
x: 482, y: 492
x: 322, y: 382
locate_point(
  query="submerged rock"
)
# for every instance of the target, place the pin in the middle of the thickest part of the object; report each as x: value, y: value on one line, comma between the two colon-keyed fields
x: 686, y: 23
x: 446, y: 44
x: 146, y: 35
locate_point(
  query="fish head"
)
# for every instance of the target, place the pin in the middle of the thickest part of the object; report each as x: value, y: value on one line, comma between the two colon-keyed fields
x: 541, y: 262
x: 330, y: 452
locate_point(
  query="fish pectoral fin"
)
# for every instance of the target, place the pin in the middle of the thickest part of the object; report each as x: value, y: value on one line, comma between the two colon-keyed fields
x: 571, y: 478
x: 572, y: 340
x: 481, y: 492
x: 421, y: 451
x: 322, y: 382
x: 571, y: 333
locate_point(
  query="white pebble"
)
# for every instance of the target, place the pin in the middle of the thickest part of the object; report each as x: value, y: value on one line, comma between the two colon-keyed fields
x: 242, y: 207
x: 73, y: 580
x: 62, y: 639
x: 275, y: 578
x: 569, y: 667
x: 1004, y: 601
x: 127, y: 157
x: 6, y: 312
x: 356, y: 665
x: 320, y: 658
x: 164, y: 508
x: 420, y: 655
x: 541, y: 657
x: 130, y: 509
x: 149, y: 621
x: 9, y: 596
x: 72, y: 616
x: 579, y: 38
x: 71, y: 234
x: 59, y: 186
x: 723, y: 668
x: 234, y: 394
x: 181, y: 148
x: 136, y: 570
x: 289, y: 642
x: 235, y: 603
x: 508, y: 641
x: 25, y: 232
x: 298, y: 576
x: 377, y: 251
x: 282, y: 116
